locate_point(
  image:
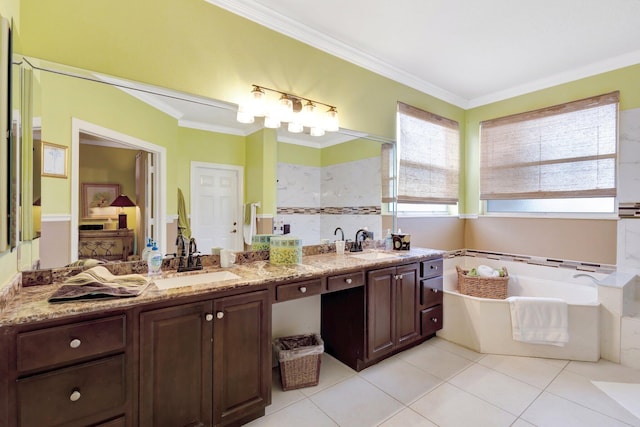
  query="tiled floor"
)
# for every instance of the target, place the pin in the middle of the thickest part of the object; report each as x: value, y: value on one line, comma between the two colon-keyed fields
x: 441, y: 384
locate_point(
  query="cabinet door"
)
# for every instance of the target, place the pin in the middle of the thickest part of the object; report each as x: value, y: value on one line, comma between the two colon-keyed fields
x: 381, y: 302
x: 241, y: 357
x: 175, y: 365
x: 407, y: 297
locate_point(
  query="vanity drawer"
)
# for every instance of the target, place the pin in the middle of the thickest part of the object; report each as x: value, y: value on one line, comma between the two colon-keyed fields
x: 431, y: 268
x: 67, y: 396
x: 345, y: 281
x: 431, y: 291
x: 68, y: 343
x: 431, y: 319
x: 298, y: 290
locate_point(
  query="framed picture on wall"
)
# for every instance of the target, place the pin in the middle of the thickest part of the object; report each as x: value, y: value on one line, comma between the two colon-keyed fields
x: 97, y: 199
x: 54, y: 160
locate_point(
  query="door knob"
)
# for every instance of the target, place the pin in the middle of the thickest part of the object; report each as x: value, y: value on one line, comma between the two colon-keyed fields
x: 209, y: 317
x: 220, y: 314
x: 233, y: 231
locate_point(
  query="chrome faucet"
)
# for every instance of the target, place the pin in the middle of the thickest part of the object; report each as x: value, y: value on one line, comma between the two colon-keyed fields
x: 341, y: 232
x: 357, y: 244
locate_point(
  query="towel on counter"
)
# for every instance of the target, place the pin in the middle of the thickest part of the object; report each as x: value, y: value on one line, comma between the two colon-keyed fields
x: 98, y: 282
x: 539, y: 320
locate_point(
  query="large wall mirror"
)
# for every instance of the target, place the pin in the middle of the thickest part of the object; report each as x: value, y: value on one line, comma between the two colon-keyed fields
x: 121, y: 137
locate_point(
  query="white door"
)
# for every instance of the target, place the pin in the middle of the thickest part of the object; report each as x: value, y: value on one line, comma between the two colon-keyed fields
x: 216, y: 209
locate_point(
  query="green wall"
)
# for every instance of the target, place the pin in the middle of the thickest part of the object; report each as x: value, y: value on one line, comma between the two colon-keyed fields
x: 193, y: 46
x: 626, y: 80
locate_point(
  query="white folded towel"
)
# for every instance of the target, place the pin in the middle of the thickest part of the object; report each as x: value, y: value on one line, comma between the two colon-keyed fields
x: 539, y: 320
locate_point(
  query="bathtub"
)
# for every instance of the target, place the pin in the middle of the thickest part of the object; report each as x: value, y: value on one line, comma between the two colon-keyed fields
x: 484, y: 325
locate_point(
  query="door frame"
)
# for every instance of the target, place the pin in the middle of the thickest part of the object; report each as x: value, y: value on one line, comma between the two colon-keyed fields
x: 79, y: 126
x: 239, y: 243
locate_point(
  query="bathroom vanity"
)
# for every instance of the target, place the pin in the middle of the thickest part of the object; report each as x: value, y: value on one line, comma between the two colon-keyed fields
x: 201, y: 354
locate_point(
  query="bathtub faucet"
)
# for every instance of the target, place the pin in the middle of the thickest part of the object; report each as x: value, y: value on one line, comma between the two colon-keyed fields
x: 596, y: 281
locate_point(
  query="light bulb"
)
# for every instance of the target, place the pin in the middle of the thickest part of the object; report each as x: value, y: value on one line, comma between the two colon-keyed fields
x: 258, y: 102
x: 317, y: 131
x: 285, y: 107
x: 331, y: 123
x: 308, y: 116
x: 243, y: 115
x: 294, y: 125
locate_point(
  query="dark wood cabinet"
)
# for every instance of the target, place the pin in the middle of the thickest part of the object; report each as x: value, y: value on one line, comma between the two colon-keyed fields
x: 241, y: 357
x: 206, y: 363
x: 175, y: 365
x: 392, y: 309
x: 73, y: 372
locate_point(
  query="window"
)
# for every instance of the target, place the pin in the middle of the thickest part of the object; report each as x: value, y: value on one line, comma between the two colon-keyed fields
x: 556, y: 159
x: 429, y: 161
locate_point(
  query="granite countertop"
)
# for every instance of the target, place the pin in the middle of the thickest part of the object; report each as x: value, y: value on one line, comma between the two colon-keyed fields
x: 30, y: 304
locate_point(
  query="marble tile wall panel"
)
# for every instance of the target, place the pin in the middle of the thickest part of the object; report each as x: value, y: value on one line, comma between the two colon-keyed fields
x: 629, y: 156
x: 355, y: 183
x: 628, y: 250
x: 298, y: 186
x: 350, y: 224
x: 306, y: 227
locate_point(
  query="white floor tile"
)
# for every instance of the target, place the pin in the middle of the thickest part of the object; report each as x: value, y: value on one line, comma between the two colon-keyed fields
x: 400, y: 379
x: 534, y: 371
x: 281, y: 399
x: 552, y: 411
x: 627, y: 395
x: 456, y: 349
x: 449, y: 406
x: 603, y: 370
x: 407, y: 418
x: 436, y: 361
x: 522, y: 423
x: 355, y: 402
x: 302, y: 413
x: 499, y: 389
x: 580, y: 390
x: 331, y: 372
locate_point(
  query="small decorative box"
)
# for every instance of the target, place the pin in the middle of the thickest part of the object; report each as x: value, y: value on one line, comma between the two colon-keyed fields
x: 260, y: 242
x: 401, y: 242
x: 285, y: 250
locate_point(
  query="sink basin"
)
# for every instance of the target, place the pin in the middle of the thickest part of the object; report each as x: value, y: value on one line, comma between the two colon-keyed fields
x: 194, y: 279
x: 372, y: 256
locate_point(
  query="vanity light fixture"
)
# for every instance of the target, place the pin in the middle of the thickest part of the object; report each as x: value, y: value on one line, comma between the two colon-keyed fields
x: 298, y: 112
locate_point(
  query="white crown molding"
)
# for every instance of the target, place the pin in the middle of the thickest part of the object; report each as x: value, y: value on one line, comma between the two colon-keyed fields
x: 593, y: 69
x: 280, y: 23
x: 262, y: 15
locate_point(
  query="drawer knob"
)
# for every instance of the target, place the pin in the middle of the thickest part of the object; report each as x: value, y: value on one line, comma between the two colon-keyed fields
x: 75, y: 396
x: 209, y: 317
x: 349, y: 281
x: 75, y: 343
x: 435, y: 291
x: 434, y: 319
x: 434, y: 267
x: 303, y: 289
x: 220, y: 314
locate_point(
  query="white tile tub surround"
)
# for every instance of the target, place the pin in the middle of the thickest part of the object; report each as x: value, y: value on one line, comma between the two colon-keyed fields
x: 484, y: 325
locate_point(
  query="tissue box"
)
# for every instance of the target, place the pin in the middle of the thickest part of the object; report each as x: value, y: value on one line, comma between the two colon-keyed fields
x: 285, y: 250
x: 401, y: 242
x: 261, y: 242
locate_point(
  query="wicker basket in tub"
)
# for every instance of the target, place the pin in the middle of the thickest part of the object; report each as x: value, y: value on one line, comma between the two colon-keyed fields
x: 483, y: 287
x: 299, y: 357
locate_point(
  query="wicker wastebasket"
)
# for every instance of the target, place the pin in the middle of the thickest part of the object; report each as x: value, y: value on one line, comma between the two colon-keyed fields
x: 483, y: 287
x: 299, y: 357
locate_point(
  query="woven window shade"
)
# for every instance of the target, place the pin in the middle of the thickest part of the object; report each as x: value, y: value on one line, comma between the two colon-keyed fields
x: 429, y: 157
x: 387, y: 175
x: 568, y: 150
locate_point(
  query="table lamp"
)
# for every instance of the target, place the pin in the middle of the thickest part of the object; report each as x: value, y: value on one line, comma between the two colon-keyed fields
x: 122, y: 202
